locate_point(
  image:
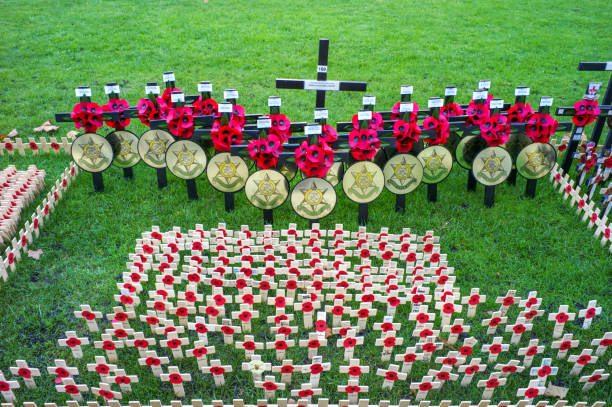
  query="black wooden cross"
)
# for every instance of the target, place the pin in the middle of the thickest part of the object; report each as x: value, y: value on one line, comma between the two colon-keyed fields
x: 600, y: 66
x: 321, y: 84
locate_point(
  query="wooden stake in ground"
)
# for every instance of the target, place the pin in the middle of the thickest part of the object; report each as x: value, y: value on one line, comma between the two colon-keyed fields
x: 101, y: 366
x: 89, y: 316
x: 154, y: 362
x: 495, y: 348
x: 141, y: 343
x: 473, y: 300
x: 443, y: 375
x: 543, y: 371
x: 62, y: 370
x: 249, y: 345
x: 470, y: 369
x: 561, y: 317
x: 174, y: 343
x: 354, y: 370
x: 491, y: 384
x: 281, y: 344
x: 106, y: 392
x: 590, y: 380
x: 269, y: 386
x: 315, y: 369
x: 348, y: 343
x: 531, y: 391
x: 176, y: 378
x: 26, y: 372
x: 69, y: 386
x: 581, y: 360
x: 6, y: 388
x: 124, y: 381
x: 589, y: 313
x: 564, y: 345
x: 200, y: 351
x: 507, y: 369
x: 109, y: 346
x: 423, y: 387
x: 602, y: 343
x: 517, y: 330
x: 493, y: 322
x: 391, y: 375
x: 305, y: 392
x: 352, y: 390
x: 286, y: 370
x: 74, y: 343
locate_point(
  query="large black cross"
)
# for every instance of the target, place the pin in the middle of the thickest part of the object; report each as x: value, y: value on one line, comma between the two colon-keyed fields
x: 321, y: 84
x: 607, y: 99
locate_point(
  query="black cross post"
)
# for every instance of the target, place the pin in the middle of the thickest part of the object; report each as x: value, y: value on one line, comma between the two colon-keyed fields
x: 321, y: 84
x: 597, y: 130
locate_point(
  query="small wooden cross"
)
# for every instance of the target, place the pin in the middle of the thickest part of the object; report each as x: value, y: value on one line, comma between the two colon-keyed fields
x: 305, y: 392
x: 388, y: 342
x: 89, y: 316
x: 74, y: 343
x: 602, y: 343
x: 249, y: 345
x: 531, y: 391
x: 228, y: 331
x: 270, y: 386
x: 532, y: 300
x: 507, y: 301
x: 495, y: 348
x: 443, y: 375
x: 106, y: 393
x: 530, y: 351
x: 245, y: 314
x: 182, y: 310
x: 286, y: 370
x: 109, y: 345
x: 494, y: 321
x: 124, y: 381
x: 26, y: 372
x: 201, y: 328
x: 452, y: 359
x: 281, y: 344
x: 363, y: 314
x: 470, y: 369
x: 152, y: 360
x: 176, y: 378
x: 560, y: 318
x: 391, y: 375
x: 257, y: 367
x: 447, y: 309
x: 589, y: 313
x: 313, y: 343
x: 200, y: 352
x: 565, y: 344
x: 69, y: 386
x: 353, y: 369
x: 590, y: 380
x: 62, y: 370
x: 517, y: 330
x: 543, y: 371
x: 174, y: 343
x: 315, y: 369
x: 420, y: 315
x: 141, y: 343
x: 349, y: 342
x: 101, y: 366
x: 506, y: 369
x: 352, y: 390
x: 6, y: 388
x: 581, y: 360
x: 455, y: 329
x: 423, y: 387
x: 491, y: 384
x: 337, y: 310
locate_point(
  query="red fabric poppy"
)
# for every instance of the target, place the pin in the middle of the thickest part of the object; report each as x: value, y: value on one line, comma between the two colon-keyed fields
x: 108, y: 345
x: 544, y: 371
x: 88, y: 315
x: 315, y: 160
x: 106, y: 394
x: 238, y: 115
x: 328, y: 134
x: 180, y: 121
x: 594, y: 378
x: 264, y: 151
x: 316, y: 368
x: 389, y: 342
x: 583, y: 359
x: 531, y: 314
x: 368, y: 298
x: 391, y: 376
x: 425, y: 386
x: 541, y: 127
x: 350, y: 343
x: 477, y: 113
x: 205, y: 107
x: 176, y: 378
x: 175, y: 343
x: 305, y: 393
x: 519, y: 329
x: 217, y: 370
x: 519, y: 113
x: 69, y: 388
x: 307, y: 307
x: 531, y: 392
x: 471, y: 369
x: 495, y: 130
x: 532, y: 351
x: 422, y: 318
x: 314, y: 344
x: 223, y: 137
x: 363, y: 313
x: 280, y: 126
x: 87, y: 116
x: 492, y: 383
x: 72, y: 342
x: 426, y: 333
x: 448, y: 308
x: 591, y: 312
x: 363, y: 143
x: 102, y: 368
x: 122, y: 380
x: 117, y: 105
x: 352, y: 389
x: 449, y: 361
x: 147, y: 111
x: 61, y: 372
x: 153, y: 362
x: 165, y: 99
x: 586, y: 112
x: 287, y: 369
x: 406, y: 134
x: 441, y: 127
x: 562, y: 317
x: 495, y: 348
x: 429, y: 347
x: 509, y: 369
x: 494, y: 321
x: 565, y: 345
x: 418, y: 298
x: 375, y: 124
x: 280, y: 345
x: 227, y: 330
x: 338, y: 310
x: 270, y: 386
x: 443, y: 376
x: 451, y: 109
x: 320, y: 326
x: 25, y: 373
x: 141, y: 343
x: 413, y: 116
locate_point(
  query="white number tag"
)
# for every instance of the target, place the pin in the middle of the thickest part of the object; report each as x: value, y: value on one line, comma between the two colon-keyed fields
x: 152, y: 89
x: 479, y: 94
x: 178, y: 98
x: 169, y: 77
x: 406, y: 89
x: 369, y: 100
x: 80, y: 92
x: 274, y: 101
x: 364, y: 115
x: 108, y: 89
x: 496, y: 103
x: 320, y: 114
x: 521, y: 91
x: 435, y: 102
x: 406, y: 107
x: 546, y: 101
x: 225, y: 107
x: 230, y: 94
x: 450, y: 91
x: 264, y: 123
x: 312, y: 129
x: 485, y: 84
x: 609, y: 66
x: 204, y: 87
x: 321, y: 68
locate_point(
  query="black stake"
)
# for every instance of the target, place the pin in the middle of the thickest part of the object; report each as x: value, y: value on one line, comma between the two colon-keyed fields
x: 400, y: 203
x: 363, y: 214
x: 268, y: 216
x: 192, y: 190
x: 98, y: 182
x: 161, y: 178
x: 432, y: 192
x: 471, y: 184
x: 530, y: 188
x: 128, y: 173
x: 229, y: 201
x: 489, y: 198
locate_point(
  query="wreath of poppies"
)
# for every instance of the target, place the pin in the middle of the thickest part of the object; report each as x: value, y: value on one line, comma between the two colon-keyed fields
x: 395, y: 112
x: 280, y: 127
x: 205, y: 107
x: 477, y: 113
x: 264, y: 152
x: 223, y: 137
x: 180, y: 121
x: 520, y: 113
x: 117, y: 105
x: 406, y: 134
x: 238, y: 115
x: 540, y: 127
x: 364, y: 143
x: 375, y: 124
x: 586, y: 112
x: 328, y: 134
x: 441, y: 128
x: 87, y: 116
x: 495, y: 130
x: 147, y: 111
x: 166, y: 98
x: 452, y: 109
x: 314, y: 159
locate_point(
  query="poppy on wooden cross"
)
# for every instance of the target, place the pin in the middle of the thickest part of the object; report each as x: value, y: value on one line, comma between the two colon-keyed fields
x: 68, y: 385
x: 470, y: 369
x: 491, y: 384
x: 26, y: 372
x: 176, y: 378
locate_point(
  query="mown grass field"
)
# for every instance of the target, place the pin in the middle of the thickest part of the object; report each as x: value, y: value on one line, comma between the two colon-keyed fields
x: 49, y: 47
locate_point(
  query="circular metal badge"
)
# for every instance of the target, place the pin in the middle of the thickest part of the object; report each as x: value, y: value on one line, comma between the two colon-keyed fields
x: 152, y: 147
x: 437, y: 163
x: 516, y: 142
x: 267, y: 189
x: 313, y: 198
x: 335, y: 174
x: 536, y: 160
x: 186, y: 159
x: 288, y: 169
x: 125, y: 148
x: 92, y: 152
x: 227, y: 173
x: 459, y: 152
x: 363, y: 182
x: 492, y: 166
x: 403, y: 173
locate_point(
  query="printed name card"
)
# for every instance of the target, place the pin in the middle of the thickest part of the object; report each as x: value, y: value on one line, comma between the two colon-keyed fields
x: 274, y: 101
x: 178, y: 97
x: 320, y: 113
x: 264, y: 123
x: 225, y: 107
x: 82, y: 91
x: 204, y: 87
x: 229, y: 94
x: 450, y: 91
x: 369, y: 100
x: 169, y: 77
x: 152, y: 89
x: 521, y: 91
x: 112, y: 88
x: 406, y: 89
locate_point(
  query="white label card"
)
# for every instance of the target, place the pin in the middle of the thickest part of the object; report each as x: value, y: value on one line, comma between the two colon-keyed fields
x: 312, y: 129
x: 321, y: 85
x: 521, y: 91
x: 406, y: 89
x: 496, y: 103
x: 80, y: 92
x: 169, y: 77
x: 364, y: 115
x: 152, y: 89
x: 225, y: 107
x: 323, y: 114
x: 435, y: 102
x: 546, y: 101
x: 111, y: 89
x: 178, y: 97
x: 264, y: 123
x: 274, y: 101
x: 321, y: 68
x: 388, y: 318
x: 450, y: 91
x: 479, y: 94
x: 609, y: 66
x: 406, y: 107
x: 204, y: 87
x: 230, y: 94
x: 485, y: 84
x: 369, y: 100
x: 560, y: 111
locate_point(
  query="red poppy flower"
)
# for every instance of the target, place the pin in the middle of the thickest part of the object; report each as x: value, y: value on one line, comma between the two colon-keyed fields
x: 477, y: 113
x: 320, y: 326
x: 147, y: 111
x: 363, y: 143
x: 123, y: 380
x: 25, y: 373
x: 287, y: 369
x: 495, y: 130
x: 532, y: 351
x: 426, y: 333
x: 406, y: 134
x: 305, y: 393
x: 411, y: 257
x: 86, y: 115
x: 72, y: 342
x: 316, y: 368
x: 270, y: 386
x: 531, y: 392
x: 215, y: 282
x: 429, y: 347
x: 435, y: 258
x: 280, y: 126
x: 509, y: 369
x: 117, y: 105
x: 451, y: 109
x: 594, y: 378
x: 217, y: 370
x: 425, y: 386
x: 412, y: 116
x: 106, y: 394
x: 471, y: 369
x: 108, y: 345
x: 562, y: 317
x: 291, y: 284
x: 495, y: 321
x: 441, y: 128
x: 352, y: 389
x: 591, y: 312
x: 248, y: 299
x: 223, y: 137
x: 141, y: 343
x: 519, y: 113
x: 495, y: 348
x: 541, y: 127
x: 492, y: 383
x: 314, y: 344
x: 69, y: 388
x: 586, y: 112
x: 428, y: 248
x: 152, y: 361
x: 449, y: 361
x: 227, y: 330
x: 422, y: 318
x: 102, y: 368
x: 205, y: 107
x: 61, y: 372
x: 443, y: 376
x: 338, y: 310
x: 544, y: 371
x: 315, y: 160
x: 418, y: 298
x: 389, y: 342
x: 363, y: 313
x: 375, y: 124
x: 448, y: 308
x: 583, y: 359
x: 88, y: 315
x: 531, y: 314
x: 174, y: 343
x: 180, y: 121
x: 280, y: 302
x: 264, y: 151
x: 391, y: 376
x: 605, y: 342
x: 176, y: 378
x: 519, y: 329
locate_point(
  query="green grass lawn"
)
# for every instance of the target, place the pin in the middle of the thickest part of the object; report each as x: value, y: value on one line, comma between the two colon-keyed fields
x: 49, y: 47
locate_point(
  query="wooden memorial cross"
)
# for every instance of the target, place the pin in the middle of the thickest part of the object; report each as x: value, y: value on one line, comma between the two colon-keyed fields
x: 200, y: 352
x: 105, y: 392
x: 89, y: 316
x: 121, y: 315
x: 68, y: 385
x: 182, y: 310
x: 308, y: 309
x: 472, y: 301
x: 581, y: 360
x: 176, y: 378
x: 337, y: 310
x: 174, y: 343
x: 388, y: 341
x: 218, y: 371
x: 507, y: 369
x: 447, y: 309
x: 354, y: 370
x: 423, y: 387
x: 491, y: 384
x: 249, y: 345
x: 495, y: 348
x: 564, y: 345
x: 26, y: 372
x: 315, y: 369
x: 455, y: 329
x: 517, y: 329
x: 256, y: 366
x: 443, y: 375
x: 560, y: 318
x: 470, y: 369
x: 543, y: 371
x: 589, y: 313
x: 590, y: 380
x: 494, y: 321
x: 531, y: 391
x: 352, y: 390
x: 154, y: 362
x: 74, y: 343
x: 321, y: 84
x: 607, y: 99
x: 391, y: 375
x: 429, y: 347
x: 245, y: 314
x: 6, y: 388
x: 101, y: 366
x: 306, y: 391
x: 286, y: 370
x: 507, y: 301
x: 420, y: 315
x: 141, y: 343
x: 109, y: 345
x: 123, y: 380
x: 348, y: 343
x: 269, y: 386
x: 532, y: 300
x: 62, y: 370
x: 530, y: 351
x: 408, y: 358
x: 602, y: 343
x: 452, y: 359
x: 280, y: 343
x: 313, y: 343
